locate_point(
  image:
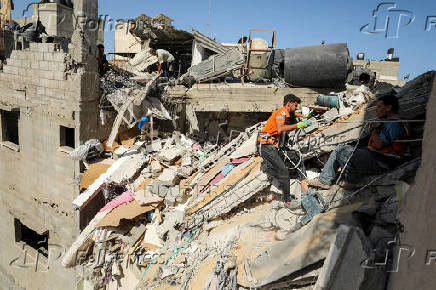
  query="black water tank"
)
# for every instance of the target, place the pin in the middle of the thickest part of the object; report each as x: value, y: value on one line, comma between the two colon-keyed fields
x: 318, y: 66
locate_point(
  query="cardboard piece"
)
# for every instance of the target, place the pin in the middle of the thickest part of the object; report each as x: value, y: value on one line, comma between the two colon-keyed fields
x: 129, y: 137
x: 94, y: 171
x: 112, y: 148
x: 144, y: 197
x: 126, y: 211
x: 143, y: 184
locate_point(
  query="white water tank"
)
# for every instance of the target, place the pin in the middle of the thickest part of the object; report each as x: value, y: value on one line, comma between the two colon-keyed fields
x: 258, y: 59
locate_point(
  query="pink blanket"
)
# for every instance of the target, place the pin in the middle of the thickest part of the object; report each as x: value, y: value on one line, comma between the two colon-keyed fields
x: 123, y: 198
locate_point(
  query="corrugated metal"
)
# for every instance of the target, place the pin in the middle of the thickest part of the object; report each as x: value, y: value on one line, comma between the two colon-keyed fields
x: 217, y: 65
x: 208, y: 43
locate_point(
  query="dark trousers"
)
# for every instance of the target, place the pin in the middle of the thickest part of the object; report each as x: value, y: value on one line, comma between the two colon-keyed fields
x: 166, y: 69
x: 362, y: 163
x: 274, y: 165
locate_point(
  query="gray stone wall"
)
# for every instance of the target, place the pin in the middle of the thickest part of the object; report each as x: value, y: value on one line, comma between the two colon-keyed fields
x: 38, y: 179
x: 417, y: 263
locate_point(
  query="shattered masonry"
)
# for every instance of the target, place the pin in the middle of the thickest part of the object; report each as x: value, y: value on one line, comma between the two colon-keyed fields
x: 148, y: 182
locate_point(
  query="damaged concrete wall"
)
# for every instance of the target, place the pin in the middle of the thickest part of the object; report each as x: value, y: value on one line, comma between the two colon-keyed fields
x: 57, y: 18
x: 417, y: 215
x: 37, y: 180
x: 56, y: 94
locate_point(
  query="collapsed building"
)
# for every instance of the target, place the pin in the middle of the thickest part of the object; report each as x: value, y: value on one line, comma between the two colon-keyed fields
x: 131, y: 181
x: 186, y: 215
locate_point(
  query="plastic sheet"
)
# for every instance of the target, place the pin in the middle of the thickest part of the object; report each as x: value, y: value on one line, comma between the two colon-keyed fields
x: 81, y: 153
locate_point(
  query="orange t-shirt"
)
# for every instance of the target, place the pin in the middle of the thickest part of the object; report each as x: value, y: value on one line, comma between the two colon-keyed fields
x: 270, y: 134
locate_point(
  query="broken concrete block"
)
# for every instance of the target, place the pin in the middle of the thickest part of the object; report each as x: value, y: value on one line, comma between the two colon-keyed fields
x: 331, y: 115
x: 342, y: 267
x: 169, y: 176
x: 158, y: 188
x: 135, y: 164
x: 187, y: 171
x: 298, y: 250
x: 169, y: 142
x: 247, y: 148
x: 124, y: 168
x: 151, y: 237
x: 155, y: 167
x: 146, y: 172
x: 172, y: 195
x: 166, y: 271
x: 171, y: 219
x: 314, y: 126
x: 155, y: 146
x: 135, y: 234
x: 186, y: 141
x: 186, y: 161
x: 171, y: 154
x: 120, y: 151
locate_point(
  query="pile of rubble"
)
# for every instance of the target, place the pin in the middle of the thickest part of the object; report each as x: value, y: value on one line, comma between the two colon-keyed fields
x: 168, y: 212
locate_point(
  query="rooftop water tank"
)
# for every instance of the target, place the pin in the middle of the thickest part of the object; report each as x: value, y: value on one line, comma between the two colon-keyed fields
x: 318, y: 66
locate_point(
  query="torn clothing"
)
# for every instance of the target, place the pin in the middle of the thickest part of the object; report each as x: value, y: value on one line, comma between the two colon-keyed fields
x: 362, y: 163
x: 275, y: 166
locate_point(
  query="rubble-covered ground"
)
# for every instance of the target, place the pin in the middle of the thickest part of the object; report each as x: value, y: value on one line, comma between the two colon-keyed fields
x: 177, y: 214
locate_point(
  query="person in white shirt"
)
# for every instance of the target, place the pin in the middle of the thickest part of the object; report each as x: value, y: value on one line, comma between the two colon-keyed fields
x: 165, y: 61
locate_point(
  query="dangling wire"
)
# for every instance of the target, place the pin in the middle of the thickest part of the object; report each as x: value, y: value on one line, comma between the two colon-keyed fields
x: 352, y: 153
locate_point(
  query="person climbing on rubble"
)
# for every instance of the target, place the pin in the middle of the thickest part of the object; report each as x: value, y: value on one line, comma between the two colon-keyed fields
x: 165, y: 61
x: 281, y: 121
x: 385, y: 150
x: 103, y: 64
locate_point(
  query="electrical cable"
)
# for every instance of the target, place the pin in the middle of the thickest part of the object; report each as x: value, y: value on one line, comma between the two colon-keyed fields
x: 368, y: 184
x: 352, y: 153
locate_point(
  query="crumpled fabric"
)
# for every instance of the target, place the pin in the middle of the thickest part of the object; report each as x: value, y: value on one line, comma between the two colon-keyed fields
x: 217, y: 179
x: 81, y: 152
x: 123, y: 198
x: 240, y: 160
x: 226, y: 169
